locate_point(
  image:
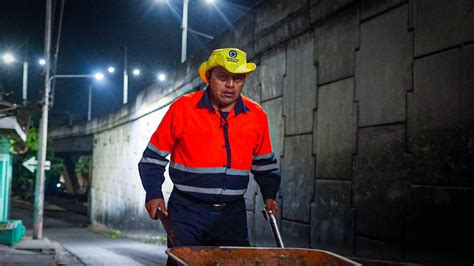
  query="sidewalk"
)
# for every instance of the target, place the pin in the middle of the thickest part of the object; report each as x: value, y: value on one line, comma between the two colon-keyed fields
x: 78, y: 244
x: 36, y: 252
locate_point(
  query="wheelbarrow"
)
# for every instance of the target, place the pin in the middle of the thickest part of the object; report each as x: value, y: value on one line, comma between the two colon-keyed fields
x: 231, y: 256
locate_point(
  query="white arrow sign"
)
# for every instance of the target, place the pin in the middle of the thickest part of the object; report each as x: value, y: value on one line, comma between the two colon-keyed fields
x: 31, y: 164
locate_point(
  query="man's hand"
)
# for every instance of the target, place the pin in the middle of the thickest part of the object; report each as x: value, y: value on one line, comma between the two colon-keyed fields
x: 155, y: 205
x: 271, y: 206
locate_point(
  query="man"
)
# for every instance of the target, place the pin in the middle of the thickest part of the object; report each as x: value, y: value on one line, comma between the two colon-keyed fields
x: 216, y: 137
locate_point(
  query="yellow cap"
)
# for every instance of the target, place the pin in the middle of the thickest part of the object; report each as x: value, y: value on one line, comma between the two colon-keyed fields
x: 231, y: 59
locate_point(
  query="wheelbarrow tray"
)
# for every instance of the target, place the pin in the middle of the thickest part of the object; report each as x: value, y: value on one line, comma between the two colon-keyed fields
x: 254, y: 256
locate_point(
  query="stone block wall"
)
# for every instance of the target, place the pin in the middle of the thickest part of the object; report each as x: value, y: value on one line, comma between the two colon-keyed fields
x: 371, y: 114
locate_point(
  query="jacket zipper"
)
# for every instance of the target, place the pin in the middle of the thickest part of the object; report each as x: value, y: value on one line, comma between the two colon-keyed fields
x: 225, y: 126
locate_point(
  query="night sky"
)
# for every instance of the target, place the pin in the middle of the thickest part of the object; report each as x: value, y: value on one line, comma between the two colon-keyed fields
x: 93, y: 37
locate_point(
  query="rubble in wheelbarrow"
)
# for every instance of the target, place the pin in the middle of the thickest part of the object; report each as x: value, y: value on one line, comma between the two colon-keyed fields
x: 237, y: 256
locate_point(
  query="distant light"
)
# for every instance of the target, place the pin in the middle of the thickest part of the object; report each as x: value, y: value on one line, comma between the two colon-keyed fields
x: 8, y: 58
x: 58, y: 185
x: 210, y: 1
x: 161, y: 77
x: 42, y: 62
x: 99, y: 76
x: 136, y: 72
x: 111, y: 69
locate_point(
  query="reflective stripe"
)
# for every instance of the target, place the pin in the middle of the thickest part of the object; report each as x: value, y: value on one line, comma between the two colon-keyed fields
x: 153, y: 161
x: 215, y: 191
x: 237, y: 172
x: 216, y: 170
x: 265, y: 167
x: 153, y: 148
x: 264, y: 156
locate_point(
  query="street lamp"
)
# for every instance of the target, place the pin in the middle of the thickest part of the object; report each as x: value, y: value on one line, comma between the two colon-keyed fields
x: 185, y: 29
x: 98, y: 76
x: 135, y: 72
x: 8, y: 58
x: 161, y: 77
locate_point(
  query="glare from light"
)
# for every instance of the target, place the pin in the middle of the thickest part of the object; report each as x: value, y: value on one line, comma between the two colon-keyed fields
x: 161, y: 77
x: 111, y: 70
x: 210, y: 2
x: 42, y: 62
x: 161, y: 1
x: 8, y: 58
x: 136, y: 72
x: 99, y: 76
x: 58, y: 185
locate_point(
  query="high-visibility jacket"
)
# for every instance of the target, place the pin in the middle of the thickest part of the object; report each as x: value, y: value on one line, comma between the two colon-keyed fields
x: 211, y: 156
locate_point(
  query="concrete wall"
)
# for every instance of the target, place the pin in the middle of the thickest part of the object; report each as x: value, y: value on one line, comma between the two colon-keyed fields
x: 371, y: 114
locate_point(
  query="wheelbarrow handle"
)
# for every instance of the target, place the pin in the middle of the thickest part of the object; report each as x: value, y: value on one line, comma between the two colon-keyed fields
x: 273, y: 225
x: 168, y: 228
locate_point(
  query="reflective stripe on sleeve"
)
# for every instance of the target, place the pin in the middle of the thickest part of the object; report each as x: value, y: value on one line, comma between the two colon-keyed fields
x: 273, y: 166
x: 153, y: 161
x: 264, y: 156
x: 153, y: 148
x: 214, y: 191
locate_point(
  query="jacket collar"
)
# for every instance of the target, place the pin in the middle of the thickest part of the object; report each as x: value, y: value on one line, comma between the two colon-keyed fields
x: 205, y: 102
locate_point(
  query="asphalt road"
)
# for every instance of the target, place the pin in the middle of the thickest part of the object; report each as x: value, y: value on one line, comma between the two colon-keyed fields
x: 70, y: 230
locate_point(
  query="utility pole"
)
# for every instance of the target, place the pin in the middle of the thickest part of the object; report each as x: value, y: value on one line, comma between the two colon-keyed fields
x: 43, y: 132
x: 125, y: 76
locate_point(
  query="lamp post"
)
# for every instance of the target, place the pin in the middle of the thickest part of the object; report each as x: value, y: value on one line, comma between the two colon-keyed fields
x: 89, y: 103
x: 125, y: 76
x: 9, y: 59
x: 185, y: 28
x: 135, y: 72
x: 25, y: 81
x: 111, y: 70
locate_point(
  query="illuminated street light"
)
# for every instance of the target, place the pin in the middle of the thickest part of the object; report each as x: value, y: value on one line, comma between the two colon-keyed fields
x: 136, y: 72
x: 99, y: 76
x: 111, y: 70
x: 161, y: 77
x: 185, y: 28
x: 42, y: 62
x: 8, y: 58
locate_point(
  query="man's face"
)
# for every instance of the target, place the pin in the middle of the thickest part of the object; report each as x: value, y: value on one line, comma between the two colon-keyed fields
x: 225, y: 87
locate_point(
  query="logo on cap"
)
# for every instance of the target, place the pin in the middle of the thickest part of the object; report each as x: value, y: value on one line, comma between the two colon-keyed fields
x: 233, y: 53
